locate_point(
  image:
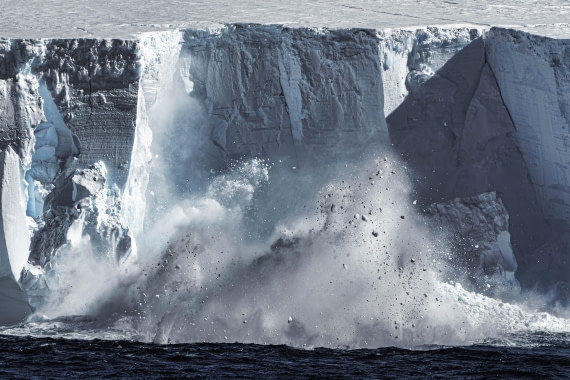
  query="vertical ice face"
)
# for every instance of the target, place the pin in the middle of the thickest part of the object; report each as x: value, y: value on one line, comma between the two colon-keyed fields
x: 93, y: 84
x: 456, y: 133
x: 14, y: 227
x: 533, y: 75
x: 427, y: 128
x: 470, y: 114
x: 20, y: 102
x: 20, y: 111
x: 267, y: 88
x: 158, y: 57
x: 55, y: 93
x: 55, y: 144
x: 14, y: 239
x: 411, y: 57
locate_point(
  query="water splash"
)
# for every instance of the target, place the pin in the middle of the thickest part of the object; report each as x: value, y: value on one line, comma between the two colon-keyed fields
x: 352, y: 262
x: 358, y: 267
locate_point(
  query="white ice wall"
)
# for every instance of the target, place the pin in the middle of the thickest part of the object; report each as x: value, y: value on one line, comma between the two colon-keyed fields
x: 533, y: 74
x: 158, y: 55
x: 266, y: 88
x: 14, y: 239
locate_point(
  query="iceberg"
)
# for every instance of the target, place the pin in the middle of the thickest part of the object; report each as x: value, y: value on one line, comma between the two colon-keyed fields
x: 122, y: 152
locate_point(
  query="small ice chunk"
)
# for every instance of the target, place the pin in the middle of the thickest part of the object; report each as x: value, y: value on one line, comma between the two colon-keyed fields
x: 290, y: 319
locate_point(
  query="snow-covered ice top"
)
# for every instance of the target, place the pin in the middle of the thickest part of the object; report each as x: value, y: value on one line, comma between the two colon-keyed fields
x: 128, y: 18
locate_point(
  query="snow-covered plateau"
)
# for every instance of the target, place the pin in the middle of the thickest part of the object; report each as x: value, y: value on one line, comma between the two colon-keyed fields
x: 282, y: 183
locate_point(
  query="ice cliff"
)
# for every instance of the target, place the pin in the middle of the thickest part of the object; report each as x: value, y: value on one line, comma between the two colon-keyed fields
x: 481, y: 117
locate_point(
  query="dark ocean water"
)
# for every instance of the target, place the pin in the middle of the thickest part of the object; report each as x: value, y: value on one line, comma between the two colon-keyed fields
x: 545, y: 356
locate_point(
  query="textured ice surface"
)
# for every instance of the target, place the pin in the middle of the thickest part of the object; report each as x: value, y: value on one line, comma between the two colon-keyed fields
x: 14, y: 240
x: 411, y: 56
x: 533, y: 74
x: 457, y: 134
x: 481, y: 242
x: 292, y: 86
x: 80, y: 219
x: 54, y: 18
x: 174, y: 114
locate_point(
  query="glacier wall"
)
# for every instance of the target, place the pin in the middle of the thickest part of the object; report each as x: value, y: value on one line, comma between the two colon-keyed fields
x: 322, y: 88
x: 456, y: 132
x: 471, y: 112
x: 533, y: 76
x: 94, y: 85
x: 14, y: 240
x: 72, y: 90
x: 311, y: 93
x: 64, y: 106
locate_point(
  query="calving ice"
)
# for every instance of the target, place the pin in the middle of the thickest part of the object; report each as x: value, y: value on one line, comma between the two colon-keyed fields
x: 301, y: 186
